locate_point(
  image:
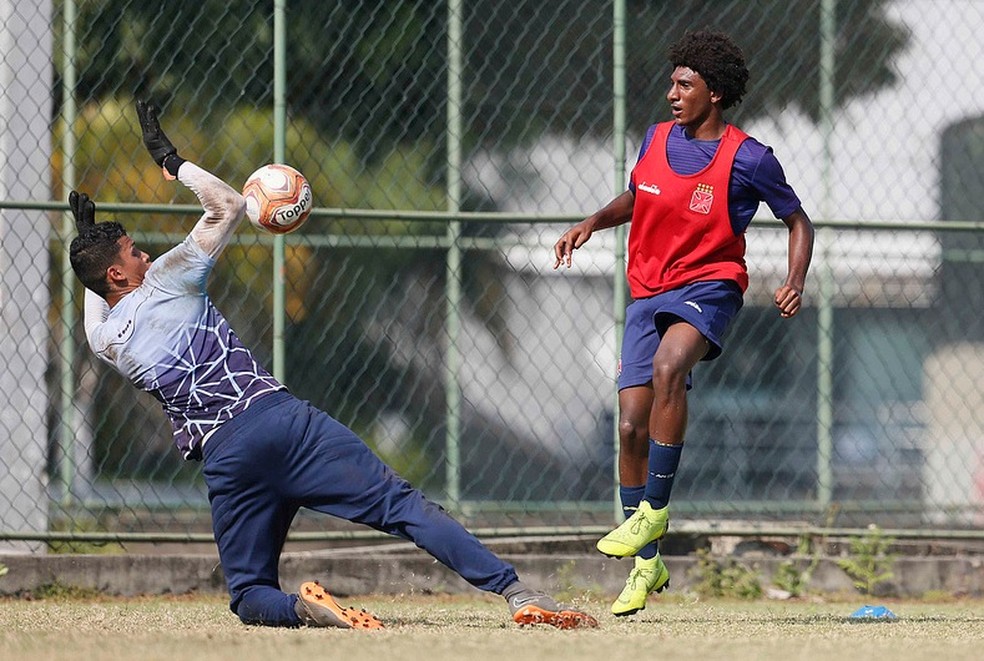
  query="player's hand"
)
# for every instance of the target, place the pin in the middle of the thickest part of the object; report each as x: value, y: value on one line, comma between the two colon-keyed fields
x: 83, y: 209
x: 153, y: 136
x: 789, y: 300
x: 570, y: 241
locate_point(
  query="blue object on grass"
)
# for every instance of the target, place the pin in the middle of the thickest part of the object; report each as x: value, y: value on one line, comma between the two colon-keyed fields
x: 873, y: 613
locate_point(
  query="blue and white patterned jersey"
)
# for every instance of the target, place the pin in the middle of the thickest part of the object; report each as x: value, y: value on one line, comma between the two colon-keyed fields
x: 168, y: 338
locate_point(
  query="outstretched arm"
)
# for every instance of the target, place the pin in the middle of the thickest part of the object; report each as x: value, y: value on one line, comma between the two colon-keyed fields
x: 95, y: 309
x: 224, y: 207
x: 789, y: 297
x: 616, y: 212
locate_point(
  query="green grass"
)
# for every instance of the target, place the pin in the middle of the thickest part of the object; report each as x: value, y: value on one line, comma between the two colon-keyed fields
x: 476, y: 626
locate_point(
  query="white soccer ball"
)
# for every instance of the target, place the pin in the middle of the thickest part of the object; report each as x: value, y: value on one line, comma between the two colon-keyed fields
x: 278, y: 198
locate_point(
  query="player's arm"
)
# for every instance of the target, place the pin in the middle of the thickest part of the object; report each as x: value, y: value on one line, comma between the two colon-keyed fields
x: 224, y: 207
x: 789, y: 297
x: 769, y: 183
x: 616, y: 212
x: 95, y: 309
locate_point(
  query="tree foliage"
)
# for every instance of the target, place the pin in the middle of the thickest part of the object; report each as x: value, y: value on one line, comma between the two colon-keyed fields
x: 373, y: 72
x: 782, y: 43
x: 113, y: 166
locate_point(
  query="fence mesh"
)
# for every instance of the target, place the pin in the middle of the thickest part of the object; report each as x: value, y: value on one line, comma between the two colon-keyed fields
x: 867, y: 407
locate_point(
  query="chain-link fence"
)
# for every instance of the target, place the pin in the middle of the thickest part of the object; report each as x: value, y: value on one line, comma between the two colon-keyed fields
x: 448, y: 145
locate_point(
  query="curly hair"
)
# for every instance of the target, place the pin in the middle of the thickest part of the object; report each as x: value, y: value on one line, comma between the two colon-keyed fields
x: 93, y: 251
x: 717, y: 59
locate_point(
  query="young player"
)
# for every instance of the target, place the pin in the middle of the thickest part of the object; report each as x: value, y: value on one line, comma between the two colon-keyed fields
x: 694, y: 189
x: 266, y: 453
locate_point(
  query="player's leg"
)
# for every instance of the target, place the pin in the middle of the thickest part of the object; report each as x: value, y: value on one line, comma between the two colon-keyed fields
x: 250, y: 524
x: 680, y: 348
x: 334, y: 472
x: 635, y: 402
x: 245, y: 469
x: 683, y: 346
x: 250, y: 537
x: 691, y: 322
x: 649, y: 573
x: 635, y: 408
x: 635, y: 405
x: 635, y: 398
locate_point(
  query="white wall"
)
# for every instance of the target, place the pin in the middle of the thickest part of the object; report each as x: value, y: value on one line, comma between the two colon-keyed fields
x: 25, y: 108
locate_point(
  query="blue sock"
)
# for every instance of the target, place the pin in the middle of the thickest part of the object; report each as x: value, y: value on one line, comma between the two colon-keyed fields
x: 631, y: 497
x: 663, y: 463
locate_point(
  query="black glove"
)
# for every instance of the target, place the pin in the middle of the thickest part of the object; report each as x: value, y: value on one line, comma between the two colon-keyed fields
x: 83, y: 209
x: 160, y: 148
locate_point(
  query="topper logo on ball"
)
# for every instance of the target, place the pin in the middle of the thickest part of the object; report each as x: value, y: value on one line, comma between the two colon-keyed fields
x: 288, y: 215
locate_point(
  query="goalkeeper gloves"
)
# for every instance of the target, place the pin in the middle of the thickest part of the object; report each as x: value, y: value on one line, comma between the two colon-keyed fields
x: 160, y: 148
x: 83, y: 209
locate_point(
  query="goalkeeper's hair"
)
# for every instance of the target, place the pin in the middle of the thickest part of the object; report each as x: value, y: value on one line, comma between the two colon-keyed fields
x: 94, y: 250
x: 717, y: 59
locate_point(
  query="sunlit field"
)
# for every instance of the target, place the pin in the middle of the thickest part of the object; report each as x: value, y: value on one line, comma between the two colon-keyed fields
x: 476, y: 626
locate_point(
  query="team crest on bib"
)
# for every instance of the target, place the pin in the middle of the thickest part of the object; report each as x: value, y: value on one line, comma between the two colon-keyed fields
x: 701, y: 200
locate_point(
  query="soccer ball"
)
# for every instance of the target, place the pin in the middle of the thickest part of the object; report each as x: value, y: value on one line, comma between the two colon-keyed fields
x: 278, y: 198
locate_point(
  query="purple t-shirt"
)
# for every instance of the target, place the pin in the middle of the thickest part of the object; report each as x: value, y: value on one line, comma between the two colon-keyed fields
x: 756, y: 176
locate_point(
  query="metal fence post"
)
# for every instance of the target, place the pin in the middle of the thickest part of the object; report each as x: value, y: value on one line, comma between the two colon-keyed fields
x: 279, y: 152
x: 618, y: 137
x: 66, y: 352
x: 825, y: 309
x: 453, y: 267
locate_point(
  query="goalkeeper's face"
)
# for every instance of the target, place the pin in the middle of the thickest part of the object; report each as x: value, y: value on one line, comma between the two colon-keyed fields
x: 130, y: 266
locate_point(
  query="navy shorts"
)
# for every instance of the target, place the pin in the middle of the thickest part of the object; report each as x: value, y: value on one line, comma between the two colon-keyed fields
x: 708, y: 306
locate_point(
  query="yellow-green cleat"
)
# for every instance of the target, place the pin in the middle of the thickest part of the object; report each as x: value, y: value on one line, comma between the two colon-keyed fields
x: 646, y: 525
x: 646, y: 577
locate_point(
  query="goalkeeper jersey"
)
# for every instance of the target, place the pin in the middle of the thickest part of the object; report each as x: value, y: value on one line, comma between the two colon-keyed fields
x: 168, y: 338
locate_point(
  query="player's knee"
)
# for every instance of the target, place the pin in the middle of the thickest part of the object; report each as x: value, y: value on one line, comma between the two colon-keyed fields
x: 633, y: 437
x: 632, y: 432
x: 669, y: 376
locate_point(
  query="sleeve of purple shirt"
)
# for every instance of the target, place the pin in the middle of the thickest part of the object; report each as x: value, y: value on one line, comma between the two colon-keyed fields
x: 757, y: 177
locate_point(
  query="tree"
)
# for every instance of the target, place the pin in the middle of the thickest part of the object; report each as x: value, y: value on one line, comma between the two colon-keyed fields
x: 373, y: 72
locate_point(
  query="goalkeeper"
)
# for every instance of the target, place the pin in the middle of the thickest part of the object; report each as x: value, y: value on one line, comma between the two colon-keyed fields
x: 266, y: 453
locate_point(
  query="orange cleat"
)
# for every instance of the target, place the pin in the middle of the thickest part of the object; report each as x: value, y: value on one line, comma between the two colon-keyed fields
x: 538, y: 608
x: 317, y: 608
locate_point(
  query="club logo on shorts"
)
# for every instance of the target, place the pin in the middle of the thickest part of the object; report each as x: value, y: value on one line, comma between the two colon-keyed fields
x: 702, y: 199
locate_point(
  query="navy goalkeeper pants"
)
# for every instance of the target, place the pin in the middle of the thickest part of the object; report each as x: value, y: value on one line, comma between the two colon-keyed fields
x: 282, y: 454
